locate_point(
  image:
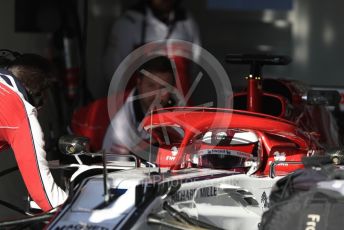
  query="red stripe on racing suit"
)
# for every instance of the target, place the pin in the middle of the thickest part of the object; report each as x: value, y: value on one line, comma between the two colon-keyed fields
x: 20, y: 128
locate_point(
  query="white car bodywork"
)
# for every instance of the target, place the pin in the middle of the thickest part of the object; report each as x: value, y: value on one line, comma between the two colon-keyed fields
x: 221, y: 198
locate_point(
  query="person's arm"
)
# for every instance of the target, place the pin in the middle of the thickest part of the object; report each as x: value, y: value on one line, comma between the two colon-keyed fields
x: 28, y: 146
x: 120, y: 134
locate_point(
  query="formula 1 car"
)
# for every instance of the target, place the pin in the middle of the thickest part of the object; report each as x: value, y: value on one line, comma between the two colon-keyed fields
x: 205, y: 179
x: 213, y: 168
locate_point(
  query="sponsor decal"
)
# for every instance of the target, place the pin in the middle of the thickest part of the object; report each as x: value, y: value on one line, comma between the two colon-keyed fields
x: 170, y: 158
x: 264, y: 200
x: 224, y: 152
x: 81, y: 227
x: 189, y: 194
x: 208, y: 192
x: 312, y: 220
x: 183, y: 195
x: 279, y: 156
x: 174, y: 153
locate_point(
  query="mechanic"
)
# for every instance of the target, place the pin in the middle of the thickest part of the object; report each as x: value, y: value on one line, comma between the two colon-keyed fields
x: 149, y: 20
x: 153, y: 90
x: 21, y: 88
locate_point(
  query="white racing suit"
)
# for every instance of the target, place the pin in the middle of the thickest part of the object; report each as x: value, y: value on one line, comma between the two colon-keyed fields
x: 139, y: 26
x: 124, y: 132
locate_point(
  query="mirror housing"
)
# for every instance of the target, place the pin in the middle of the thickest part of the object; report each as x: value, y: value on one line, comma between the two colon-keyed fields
x: 323, y: 97
x: 74, y: 145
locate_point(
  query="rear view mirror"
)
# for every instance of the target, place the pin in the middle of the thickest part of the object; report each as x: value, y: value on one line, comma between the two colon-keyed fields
x: 74, y: 145
x: 323, y: 97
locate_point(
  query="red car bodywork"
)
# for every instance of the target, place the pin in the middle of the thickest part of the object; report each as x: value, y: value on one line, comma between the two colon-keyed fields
x: 274, y: 110
x: 274, y: 134
x: 292, y: 129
